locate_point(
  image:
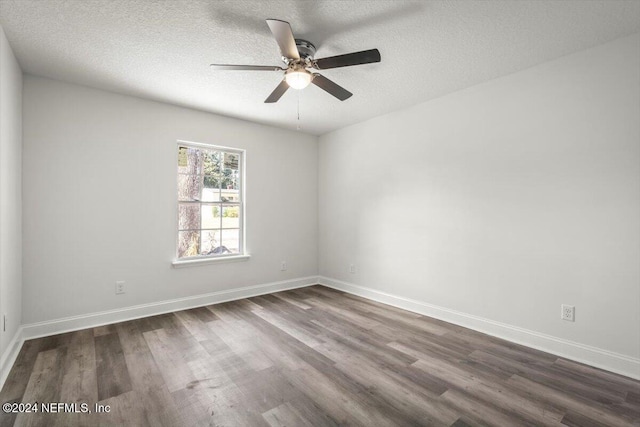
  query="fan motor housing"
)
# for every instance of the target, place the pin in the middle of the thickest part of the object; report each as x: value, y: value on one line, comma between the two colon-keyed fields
x: 305, y: 48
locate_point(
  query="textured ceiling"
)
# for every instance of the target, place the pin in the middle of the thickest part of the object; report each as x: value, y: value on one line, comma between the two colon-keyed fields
x: 162, y: 49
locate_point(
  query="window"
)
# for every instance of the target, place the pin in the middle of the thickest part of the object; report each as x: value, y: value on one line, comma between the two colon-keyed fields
x: 210, y: 201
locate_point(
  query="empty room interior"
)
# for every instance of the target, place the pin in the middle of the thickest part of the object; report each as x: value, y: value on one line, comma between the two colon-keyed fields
x: 320, y: 213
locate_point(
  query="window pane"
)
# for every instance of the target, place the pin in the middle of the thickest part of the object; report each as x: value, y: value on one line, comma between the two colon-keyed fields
x: 189, y: 216
x: 230, y: 188
x: 231, y: 241
x: 231, y: 160
x: 210, y: 242
x: 189, y: 187
x: 188, y: 243
x: 230, y: 216
x: 212, y: 160
x: 210, y: 216
x: 211, y: 190
x: 190, y: 160
x: 230, y: 178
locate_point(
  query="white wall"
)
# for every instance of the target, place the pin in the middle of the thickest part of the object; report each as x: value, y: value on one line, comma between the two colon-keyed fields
x: 100, y: 201
x: 10, y: 192
x: 501, y: 201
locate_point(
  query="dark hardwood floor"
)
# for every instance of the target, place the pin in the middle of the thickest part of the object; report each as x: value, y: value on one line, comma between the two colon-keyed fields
x: 311, y: 356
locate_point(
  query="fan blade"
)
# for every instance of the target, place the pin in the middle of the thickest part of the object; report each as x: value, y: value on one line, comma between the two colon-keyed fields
x: 346, y: 60
x: 277, y: 92
x: 284, y: 36
x: 224, y: 67
x: 331, y: 87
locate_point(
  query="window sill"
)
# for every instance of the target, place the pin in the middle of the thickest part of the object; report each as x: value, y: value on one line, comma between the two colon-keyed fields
x: 203, y: 261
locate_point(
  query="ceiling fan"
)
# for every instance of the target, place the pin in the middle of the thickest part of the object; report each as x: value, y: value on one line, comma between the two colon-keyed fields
x: 301, y: 66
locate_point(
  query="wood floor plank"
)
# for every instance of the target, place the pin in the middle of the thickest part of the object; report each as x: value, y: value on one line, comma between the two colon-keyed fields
x: 124, y: 409
x: 226, y: 311
x: 309, y: 410
x: 111, y: 367
x: 403, y: 376
x: 294, y: 315
x: 495, y: 393
x: 481, y: 413
x: 15, y: 384
x: 346, y: 315
x: 378, y: 308
x: 540, y: 373
x: 346, y: 407
x: 633, y: 398
x: 55, y: 341
x: 574, y: 419
x: 614, y: 380
x: 79, y: 379
x: 194, y: 324
x: 43, y: 385
x: 158, y: 407
x: 595, y: 378
x: 169, y: 358
x: 281, y: 348
x: 322, y: 293
x: 575, y: 403
x: 427, y: 352
x: 249, y: 304
x: 240, y: 336
x: 290, y: 328
x: 160, y: 321
x: 434, y: 346
x: 202, y: 313
x: 295, y: 302
x: 131, y: 338
x: 285, y: 416
x: 362, y: 343
x: 225, y: 406
x: 104, y: 330
x: 413, y: 404
x: 309, y: 356
x: 225, y: 362
x: 462, y: 422
x: 266, y: 389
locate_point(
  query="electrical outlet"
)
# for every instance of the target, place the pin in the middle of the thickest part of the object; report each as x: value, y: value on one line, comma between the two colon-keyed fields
x: 120, y: 287
x: 283, y: 266
x: 352, y: 269
x: 568, y: 313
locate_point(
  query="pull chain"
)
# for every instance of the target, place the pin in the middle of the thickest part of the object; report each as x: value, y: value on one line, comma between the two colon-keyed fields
x: 298, y: 124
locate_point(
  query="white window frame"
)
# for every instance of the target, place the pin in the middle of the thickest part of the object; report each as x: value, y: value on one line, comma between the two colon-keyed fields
x: 203, y: 259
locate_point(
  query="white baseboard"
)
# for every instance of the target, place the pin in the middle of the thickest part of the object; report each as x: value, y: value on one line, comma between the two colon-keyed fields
x: 597, y: 357
x: 10, y: 355
x: 74, y: 323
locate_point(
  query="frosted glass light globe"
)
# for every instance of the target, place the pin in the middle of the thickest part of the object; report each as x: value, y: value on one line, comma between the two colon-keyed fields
x: 298, y: 79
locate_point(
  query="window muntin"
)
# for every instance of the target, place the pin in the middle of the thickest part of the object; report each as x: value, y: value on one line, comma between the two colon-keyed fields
x: 210, y: 201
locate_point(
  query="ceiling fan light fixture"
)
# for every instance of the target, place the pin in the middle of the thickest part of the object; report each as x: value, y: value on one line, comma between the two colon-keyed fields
x: 298, y: 79
x: 298, y: 57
